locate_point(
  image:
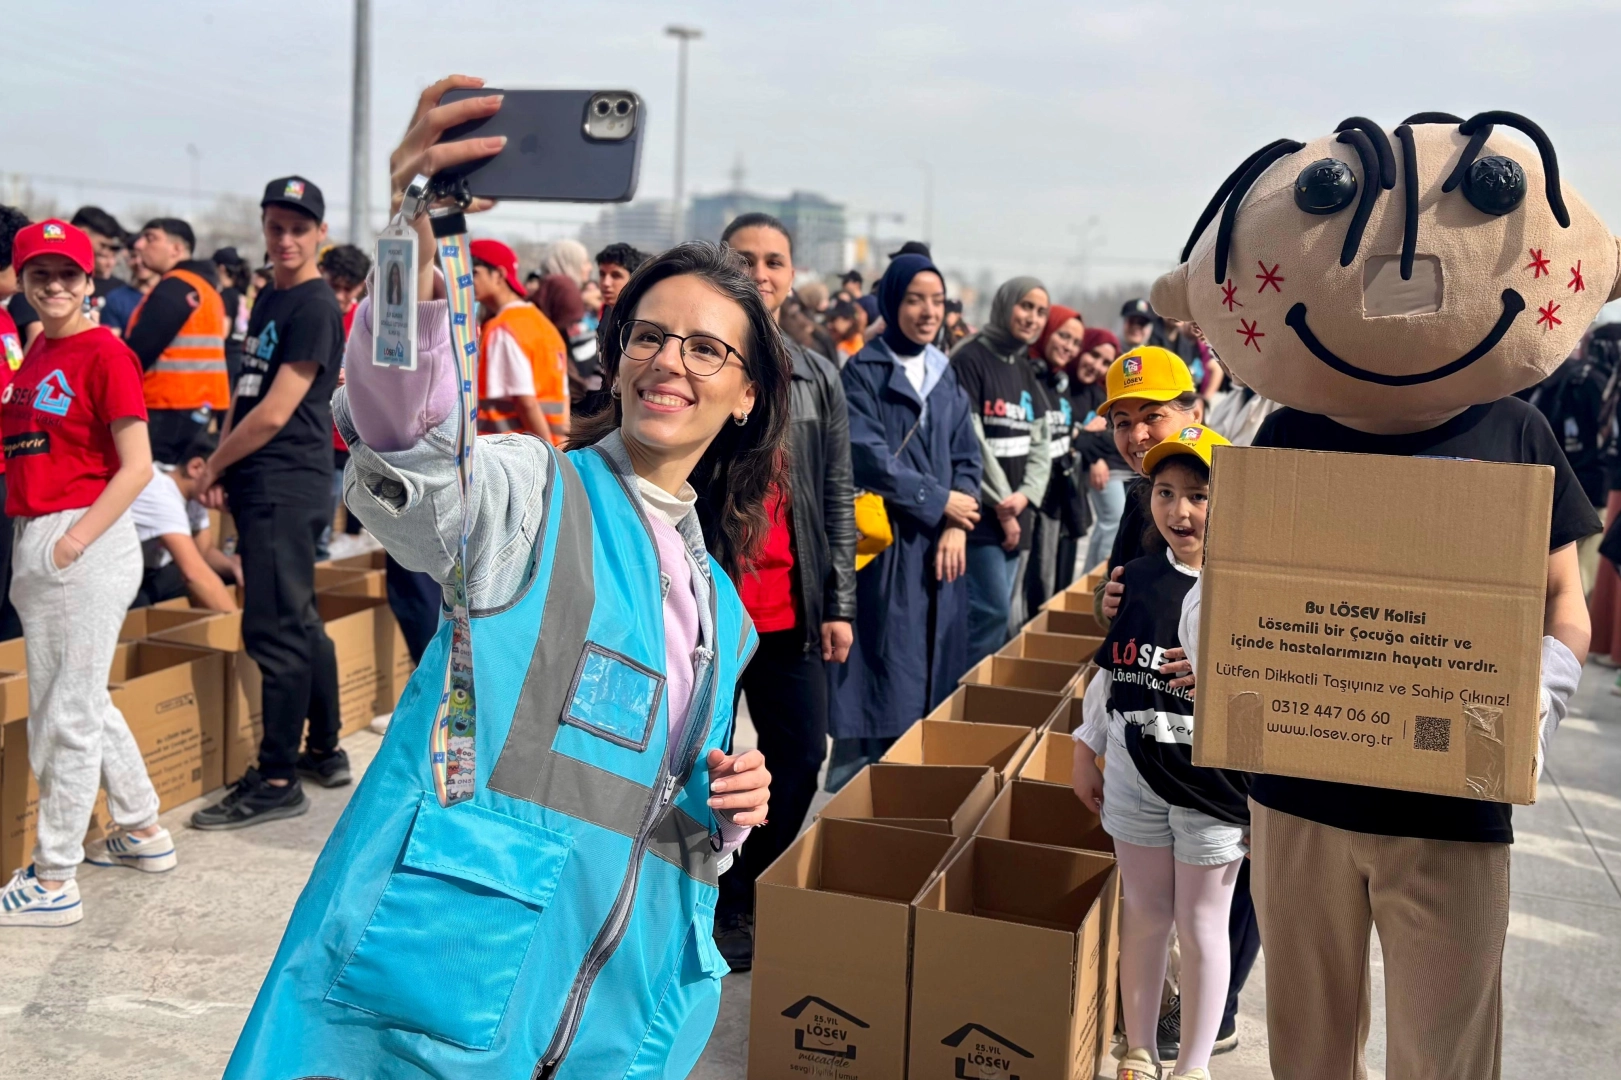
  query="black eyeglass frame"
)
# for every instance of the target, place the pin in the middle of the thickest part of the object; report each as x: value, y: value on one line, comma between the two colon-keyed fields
x: 665, y: 336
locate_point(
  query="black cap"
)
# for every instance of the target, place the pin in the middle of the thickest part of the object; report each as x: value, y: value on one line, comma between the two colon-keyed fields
x: 225, y: 256
x: 912, y: 247
x: 297, y: 192
x: 1137, y: 309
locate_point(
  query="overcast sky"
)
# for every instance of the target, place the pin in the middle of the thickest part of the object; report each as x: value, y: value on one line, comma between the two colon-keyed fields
x: 1036, y: 117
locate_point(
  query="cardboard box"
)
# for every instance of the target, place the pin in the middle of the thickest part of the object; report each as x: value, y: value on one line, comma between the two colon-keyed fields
x: 1073, y: 600
x: 1394, y: 642
x: 13, y: 680
x: 944, y: 742
x: 370, y: 560
x: 351, y: 582
x: 1079, y: 623
x: 1062, y: 648
x: 243, y: 714
x: 1038, y: 813
x: 1007, y: 962
x: 1068, y: 717
x: 946, y: 799
x: 362, y: 630
x: 1045, y: 675
x: 1051, y: 760
x: 19, y: 798
x: 832, y: 944
x: 975, y: 703
x: 147, y: 621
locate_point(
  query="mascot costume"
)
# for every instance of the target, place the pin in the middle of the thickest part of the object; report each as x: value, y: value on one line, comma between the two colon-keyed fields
x: 1393, y: 291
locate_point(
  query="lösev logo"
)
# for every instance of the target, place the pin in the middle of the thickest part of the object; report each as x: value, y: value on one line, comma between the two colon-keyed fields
x: 826, y: 1030
x: 54, y: 395
x: 988, y: 1054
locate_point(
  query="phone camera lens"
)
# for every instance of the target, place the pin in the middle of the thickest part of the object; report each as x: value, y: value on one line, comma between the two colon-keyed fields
x: 623, y: 107
x: 602, y: 107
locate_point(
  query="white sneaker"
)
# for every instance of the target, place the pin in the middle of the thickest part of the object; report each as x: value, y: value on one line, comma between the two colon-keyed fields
x: 25, y: 902
x: 1138, y: 1064
x: 379, y: 724
x: 154, y: 854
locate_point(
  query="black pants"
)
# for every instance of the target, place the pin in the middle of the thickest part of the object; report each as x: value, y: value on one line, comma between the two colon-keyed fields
x: 786, y: 688
x: 10, y: 625
x: 1243, y: 938
x: 415, y: 599
x: 164, y: 583
x: 172, y: 431
x: 283, y: 633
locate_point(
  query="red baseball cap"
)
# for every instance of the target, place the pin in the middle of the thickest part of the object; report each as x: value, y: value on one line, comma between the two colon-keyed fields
x: 53, y: 236
x: 498, y: 254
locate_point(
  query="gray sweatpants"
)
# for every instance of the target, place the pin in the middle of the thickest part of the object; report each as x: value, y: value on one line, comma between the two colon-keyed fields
x: 77, y: 740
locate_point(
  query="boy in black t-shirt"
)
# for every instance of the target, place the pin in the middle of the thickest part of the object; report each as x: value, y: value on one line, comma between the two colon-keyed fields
x: 1466, y: 272
x: 274, y: 468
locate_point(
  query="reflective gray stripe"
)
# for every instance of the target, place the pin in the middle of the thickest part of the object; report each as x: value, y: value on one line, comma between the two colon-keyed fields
x: 197, y: 341
x: 743, y: 650
x: 205, y: 367
x: 681, y: 840
x: 552, y: 408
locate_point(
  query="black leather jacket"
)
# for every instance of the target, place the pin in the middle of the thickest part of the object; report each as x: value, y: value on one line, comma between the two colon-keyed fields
x: 824, y: 520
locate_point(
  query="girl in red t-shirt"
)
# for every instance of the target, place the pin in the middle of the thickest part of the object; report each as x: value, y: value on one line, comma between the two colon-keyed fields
x: 74, y: 426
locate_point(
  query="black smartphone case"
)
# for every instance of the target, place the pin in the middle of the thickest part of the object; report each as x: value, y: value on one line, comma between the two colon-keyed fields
x: 548, y: 156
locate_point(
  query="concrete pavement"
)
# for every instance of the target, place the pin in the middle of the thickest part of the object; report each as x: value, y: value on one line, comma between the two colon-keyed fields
x: 157, y: 980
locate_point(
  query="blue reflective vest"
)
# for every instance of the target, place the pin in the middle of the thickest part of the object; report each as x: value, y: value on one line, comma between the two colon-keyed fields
x: 559, y: 924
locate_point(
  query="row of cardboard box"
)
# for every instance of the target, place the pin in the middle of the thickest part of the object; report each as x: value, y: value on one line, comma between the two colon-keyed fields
x: 953, y: 911
x: 191, y: 694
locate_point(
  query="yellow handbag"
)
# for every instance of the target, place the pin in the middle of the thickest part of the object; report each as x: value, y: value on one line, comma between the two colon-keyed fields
x: 873, y: 532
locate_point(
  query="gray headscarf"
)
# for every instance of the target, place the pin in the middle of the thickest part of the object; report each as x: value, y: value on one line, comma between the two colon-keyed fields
x: 998, y: 332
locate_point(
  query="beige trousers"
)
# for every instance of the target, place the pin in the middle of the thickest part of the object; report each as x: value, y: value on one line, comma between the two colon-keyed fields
x: 1441, y: 909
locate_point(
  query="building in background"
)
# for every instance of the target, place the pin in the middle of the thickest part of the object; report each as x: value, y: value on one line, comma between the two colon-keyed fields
x: 816, y: 222
x: 647, y: 224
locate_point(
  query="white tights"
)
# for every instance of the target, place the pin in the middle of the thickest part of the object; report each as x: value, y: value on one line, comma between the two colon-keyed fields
x: 1158, y: 891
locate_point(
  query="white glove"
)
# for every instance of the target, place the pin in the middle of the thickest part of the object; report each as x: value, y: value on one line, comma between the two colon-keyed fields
x: 1560, y: 674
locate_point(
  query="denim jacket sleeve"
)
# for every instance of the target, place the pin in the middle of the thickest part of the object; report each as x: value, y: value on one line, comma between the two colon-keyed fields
x: 401, y: 477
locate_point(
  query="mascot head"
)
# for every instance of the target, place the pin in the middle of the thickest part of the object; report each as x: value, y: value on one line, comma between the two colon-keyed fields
x: 1395, y: 276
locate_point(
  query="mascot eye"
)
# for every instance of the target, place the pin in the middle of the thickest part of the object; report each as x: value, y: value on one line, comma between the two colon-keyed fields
x: 1326, y: 186
x: 1495, y: 185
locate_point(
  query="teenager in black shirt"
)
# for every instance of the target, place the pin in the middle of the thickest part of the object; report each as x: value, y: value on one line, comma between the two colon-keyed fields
x: 274, y: 469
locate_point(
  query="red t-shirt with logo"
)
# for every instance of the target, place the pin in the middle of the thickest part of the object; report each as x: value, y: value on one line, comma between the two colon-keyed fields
x: 11, y: 358
x: 768, y: 590
x: 56, y: 420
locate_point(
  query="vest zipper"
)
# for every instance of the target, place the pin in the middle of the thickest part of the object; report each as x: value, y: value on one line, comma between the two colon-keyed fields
x: 613, y: 928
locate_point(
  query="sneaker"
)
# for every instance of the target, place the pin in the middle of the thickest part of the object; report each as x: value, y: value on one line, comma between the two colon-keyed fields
x: 25, y: 902
x: 1226, y: 1036
x: 154, y: 854
x: 330, y: 771
x: 1604, y: 660
x: 1138, y: 1064
x: 734, y: 937
x: 1169, y: 1032
x: 1191, y: 1074
x: 252, y: 801
x: 379, y: 724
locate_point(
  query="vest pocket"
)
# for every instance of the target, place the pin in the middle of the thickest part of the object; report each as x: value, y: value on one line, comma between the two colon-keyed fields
x: 448, y: 937
x: 614, y: 697
x: 686, y: 1011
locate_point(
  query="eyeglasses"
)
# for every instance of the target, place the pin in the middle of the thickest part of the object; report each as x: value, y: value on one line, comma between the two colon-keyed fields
x: 703, y: 354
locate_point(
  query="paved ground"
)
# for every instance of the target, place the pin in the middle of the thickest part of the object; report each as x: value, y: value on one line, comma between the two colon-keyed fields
x: 157, y: 980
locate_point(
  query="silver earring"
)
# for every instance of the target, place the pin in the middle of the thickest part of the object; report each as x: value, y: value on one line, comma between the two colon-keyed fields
x: 741, y: 420
x: 614, y: 390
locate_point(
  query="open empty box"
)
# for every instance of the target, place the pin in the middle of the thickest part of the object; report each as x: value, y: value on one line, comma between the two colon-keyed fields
x: 1062, y: 648
x: 945, y: 742
x: 1079, y: 622
x: 947, y: 799
x: 976, y: 703
x: 1051, y: 760
x: 1047, y: 675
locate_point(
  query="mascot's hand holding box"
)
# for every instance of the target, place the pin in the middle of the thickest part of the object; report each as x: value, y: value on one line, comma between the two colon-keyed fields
x: 1393, y: 290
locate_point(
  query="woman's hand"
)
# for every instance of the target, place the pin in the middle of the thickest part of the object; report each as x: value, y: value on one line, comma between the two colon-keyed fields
x: 739, y: 787
x: 1086, y: 778
x: 1178, y: 665
x: 1097, y: 423
x: 962, y: 510
x: 1012, y: 506
x: 951, y: 553
x: 1098, y: 474
x: 1010, y: 532
x: 65, y: 552
x: 837, y: 638
x: 1113, y: 594
x: 422, y: 152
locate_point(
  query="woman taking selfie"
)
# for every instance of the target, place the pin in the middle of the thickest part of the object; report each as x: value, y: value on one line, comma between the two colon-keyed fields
x: 559, y: 922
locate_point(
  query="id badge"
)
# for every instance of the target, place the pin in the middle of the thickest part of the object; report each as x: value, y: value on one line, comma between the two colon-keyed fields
x: 394, y: 303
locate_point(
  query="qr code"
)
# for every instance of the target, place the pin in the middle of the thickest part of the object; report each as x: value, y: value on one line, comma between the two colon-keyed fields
x: 1432, y: 733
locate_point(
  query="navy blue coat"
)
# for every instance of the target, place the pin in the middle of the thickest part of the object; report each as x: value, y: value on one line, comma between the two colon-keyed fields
x: 898, y: 670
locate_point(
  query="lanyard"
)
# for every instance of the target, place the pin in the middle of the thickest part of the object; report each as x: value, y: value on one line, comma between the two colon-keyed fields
x: 451, y: 746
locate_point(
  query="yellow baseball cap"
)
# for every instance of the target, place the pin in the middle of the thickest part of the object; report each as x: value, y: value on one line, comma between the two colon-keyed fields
x: 1148, y: 373
x: 1195, y: 439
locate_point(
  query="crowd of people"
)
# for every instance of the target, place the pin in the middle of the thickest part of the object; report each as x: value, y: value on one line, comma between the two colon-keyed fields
x: 1008, y: 458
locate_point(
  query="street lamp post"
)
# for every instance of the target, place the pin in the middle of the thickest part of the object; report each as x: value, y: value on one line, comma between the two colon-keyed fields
x: 683, y: 35
x: 196, y: 178
x: 360, y: 128
x: 928, y: 201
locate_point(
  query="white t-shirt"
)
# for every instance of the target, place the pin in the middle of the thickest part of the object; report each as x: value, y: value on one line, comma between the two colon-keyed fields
x: 507, y: 370
x: 160, y: 510
x: 915, y: 369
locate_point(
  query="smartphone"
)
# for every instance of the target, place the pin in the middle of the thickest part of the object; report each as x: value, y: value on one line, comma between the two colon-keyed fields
x: 562, y: 146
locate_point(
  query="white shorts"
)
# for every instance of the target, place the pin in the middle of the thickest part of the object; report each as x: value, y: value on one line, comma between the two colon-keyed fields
x: 1135, y: 814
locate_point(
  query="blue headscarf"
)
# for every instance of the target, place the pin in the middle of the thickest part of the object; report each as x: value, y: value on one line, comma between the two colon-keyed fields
x: 892, y: 290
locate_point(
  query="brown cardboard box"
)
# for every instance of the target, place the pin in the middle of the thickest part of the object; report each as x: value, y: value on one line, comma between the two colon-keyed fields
x: 356, y: 625
x: 1039, y: 813
x: 1051, y: 760
x: 1395, y: 642
x: 243, y: 718
x: 832, y: 941
x: 19, y: 798
x: 148, y: 621
x: 1063, y: 648
x: 1007, y: 959
x: 946, y: 799
x: 943, y: 742
x: 1079, y: 623
x: 1074, y: 600
x: 13, y: 680
x: 370, y: 560
x: 350, y: 581
x: 1027, y: 674
x: 1068, y: 717
x: 974, y: 703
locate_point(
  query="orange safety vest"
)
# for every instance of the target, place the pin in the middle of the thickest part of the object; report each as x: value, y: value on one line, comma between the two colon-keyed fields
x: 548, y: 360
x: 190, y: 372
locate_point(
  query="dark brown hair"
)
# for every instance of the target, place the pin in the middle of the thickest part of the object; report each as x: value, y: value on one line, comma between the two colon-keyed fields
x: 742, y: 465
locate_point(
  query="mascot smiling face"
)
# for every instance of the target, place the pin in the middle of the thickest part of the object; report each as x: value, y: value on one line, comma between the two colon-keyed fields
x: 1399, y: 276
